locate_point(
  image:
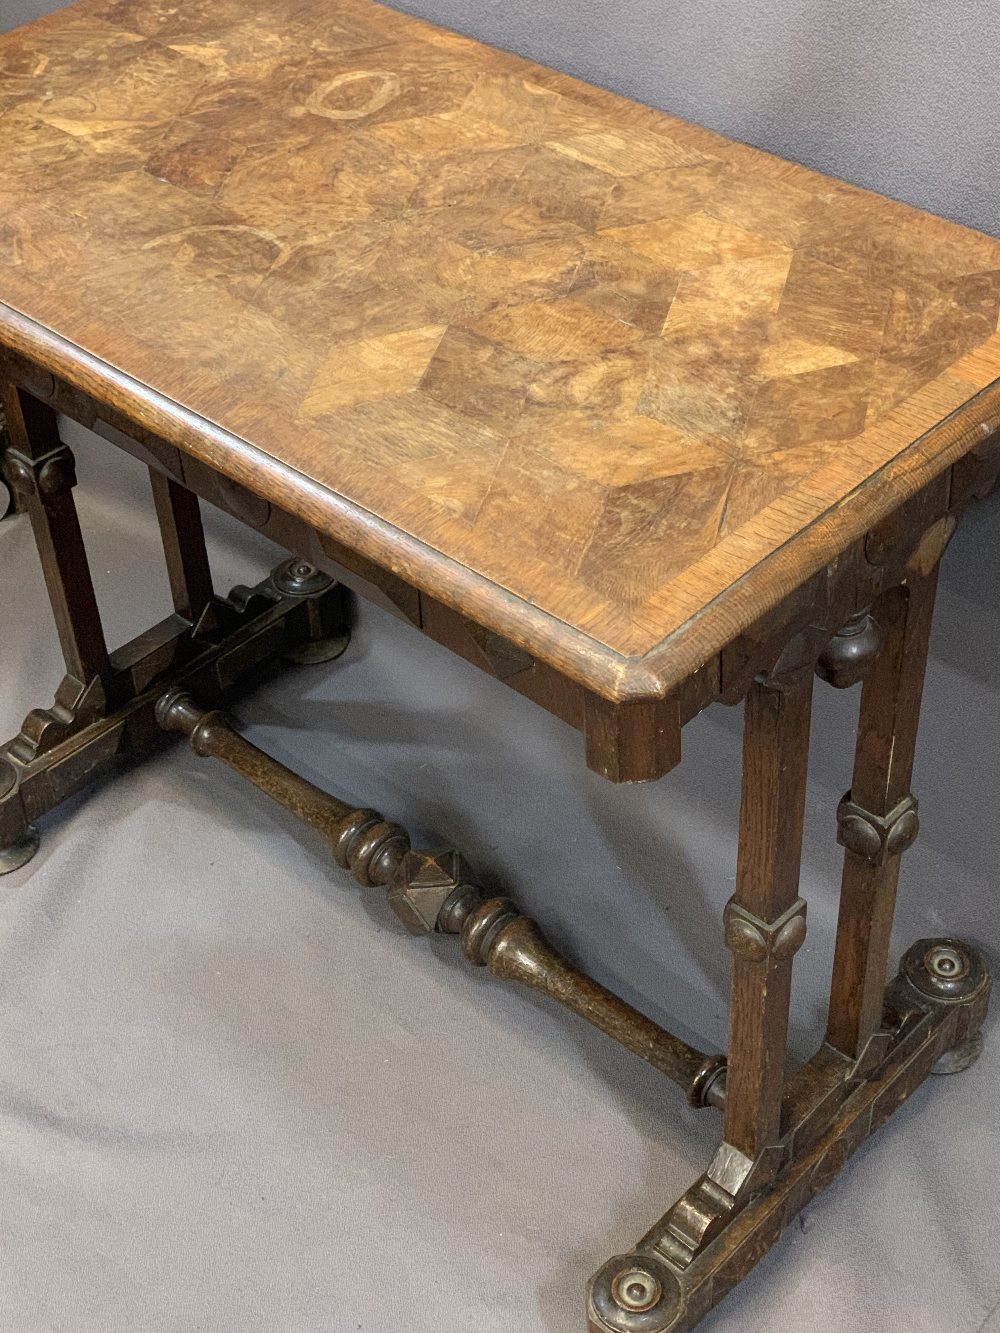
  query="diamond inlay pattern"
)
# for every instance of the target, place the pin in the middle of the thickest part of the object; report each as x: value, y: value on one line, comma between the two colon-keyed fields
x: 606, y: 360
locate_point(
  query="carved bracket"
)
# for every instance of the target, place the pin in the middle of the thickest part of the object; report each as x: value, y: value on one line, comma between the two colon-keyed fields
x: 748, y: 936
x: 876, y: 838
x: 51, y: 475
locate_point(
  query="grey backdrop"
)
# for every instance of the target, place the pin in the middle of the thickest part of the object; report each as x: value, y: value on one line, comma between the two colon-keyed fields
x: 235, y: 1097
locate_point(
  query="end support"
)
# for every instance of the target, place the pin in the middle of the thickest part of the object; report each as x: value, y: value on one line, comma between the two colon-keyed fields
x: 932, y: 1015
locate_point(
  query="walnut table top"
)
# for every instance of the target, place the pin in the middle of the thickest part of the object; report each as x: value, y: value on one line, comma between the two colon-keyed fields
x: 608, y: 384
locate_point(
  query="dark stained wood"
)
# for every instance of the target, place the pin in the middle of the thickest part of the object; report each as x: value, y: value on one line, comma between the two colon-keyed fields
x: 813, y: 609
x: 499, y: 658
x: 775, y: 760
x: 436, y: 892
x: 605, y: 383
x: 633, y: 741
x: 183, y: 539
x: 8, y: 502
x: 95, y: 728
x: 830, y: 1115
x: 41, y: 469
x: 631, y: 416
x: 883, y: 769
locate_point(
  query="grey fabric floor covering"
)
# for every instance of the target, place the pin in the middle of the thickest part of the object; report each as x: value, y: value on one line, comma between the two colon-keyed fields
x: 236, y: 1096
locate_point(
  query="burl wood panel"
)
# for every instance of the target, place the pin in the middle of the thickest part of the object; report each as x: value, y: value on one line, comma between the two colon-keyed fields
x: 604, y: 382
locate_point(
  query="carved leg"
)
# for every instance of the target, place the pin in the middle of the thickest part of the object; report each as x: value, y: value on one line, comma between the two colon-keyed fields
x: 786, y: 1142
x: 104, y: 707
x: 43, y: 476
x: 877, y: 820
x: 766, y: 918
x: 41, y: 472
x: 829, y: 1113
x: 765, y: 926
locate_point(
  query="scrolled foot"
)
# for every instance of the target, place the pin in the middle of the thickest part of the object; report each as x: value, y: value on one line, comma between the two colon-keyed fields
x: 6, y: 500
x: 19, y: 852
x: 634, y: 1293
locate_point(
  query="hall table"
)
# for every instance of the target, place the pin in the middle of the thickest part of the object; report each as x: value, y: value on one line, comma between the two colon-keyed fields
x: 635, y: 418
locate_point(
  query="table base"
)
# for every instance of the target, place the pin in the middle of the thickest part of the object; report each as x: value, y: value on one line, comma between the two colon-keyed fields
x: 783, y: 1139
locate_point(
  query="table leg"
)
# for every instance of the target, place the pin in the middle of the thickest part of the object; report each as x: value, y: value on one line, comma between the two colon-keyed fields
x: 43, y: 475
x: 104, y: 711
x: 877, y: 820
x: 766, y: 918
x: 179, y: 517
x: 785, y: 1140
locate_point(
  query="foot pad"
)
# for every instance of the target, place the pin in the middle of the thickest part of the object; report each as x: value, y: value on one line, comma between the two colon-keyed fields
x: 314, y: 651
x: 960, y: 1057
x: 19, y: 853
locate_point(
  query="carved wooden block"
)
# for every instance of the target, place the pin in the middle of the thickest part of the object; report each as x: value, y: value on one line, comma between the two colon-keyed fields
x: 761, y: 941
x: 876, y: 838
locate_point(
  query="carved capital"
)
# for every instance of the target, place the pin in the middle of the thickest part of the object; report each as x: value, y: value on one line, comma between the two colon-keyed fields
x: 876, y: 838
x: 748, y: 936
x: 51, y: 475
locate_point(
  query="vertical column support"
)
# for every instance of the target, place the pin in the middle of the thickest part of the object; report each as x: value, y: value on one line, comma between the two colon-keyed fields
x: 878, y: 819
x: 179, y: 516
x: 42, y: 474
x: 765, y: 919
x: 8, y: 501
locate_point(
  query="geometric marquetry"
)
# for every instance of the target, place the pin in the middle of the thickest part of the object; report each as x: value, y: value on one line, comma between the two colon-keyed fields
x: 587, y: 373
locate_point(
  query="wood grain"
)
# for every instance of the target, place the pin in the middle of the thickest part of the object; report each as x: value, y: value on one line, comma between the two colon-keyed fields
x: 601, y: 381
x: 775, y: 761
x: 179, y: 518
x: 883, y: 769
x: 44, y: 475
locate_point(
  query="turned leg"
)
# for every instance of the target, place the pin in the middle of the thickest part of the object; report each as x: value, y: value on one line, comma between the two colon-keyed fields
x: 877, y: 820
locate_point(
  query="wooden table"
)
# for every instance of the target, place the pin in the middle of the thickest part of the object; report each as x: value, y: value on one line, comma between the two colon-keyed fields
x: 635, y: 418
